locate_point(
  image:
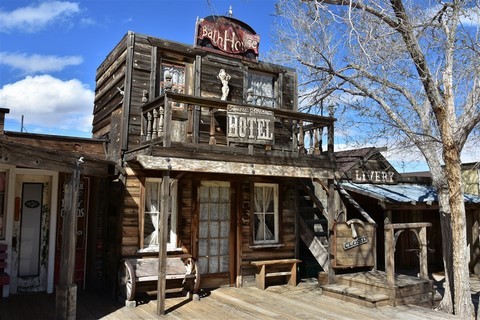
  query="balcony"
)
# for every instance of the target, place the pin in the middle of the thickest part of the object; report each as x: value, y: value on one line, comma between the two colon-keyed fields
x: 190, y: 127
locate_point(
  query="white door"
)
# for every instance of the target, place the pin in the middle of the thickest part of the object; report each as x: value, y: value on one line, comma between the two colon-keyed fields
x: 33, y: 233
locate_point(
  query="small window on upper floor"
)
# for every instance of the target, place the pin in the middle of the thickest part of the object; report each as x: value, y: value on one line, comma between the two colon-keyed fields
x: 172, y: 77
x: 261, y: 89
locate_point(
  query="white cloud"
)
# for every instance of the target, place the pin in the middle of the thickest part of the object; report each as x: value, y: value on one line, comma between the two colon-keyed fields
x: 34, y: 18
x: 38, y: 63
x: 49, y: 102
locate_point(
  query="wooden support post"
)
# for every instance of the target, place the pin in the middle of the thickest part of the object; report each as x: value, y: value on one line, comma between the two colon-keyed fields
x: 301, y: 138
x: 260, y: 279
x: 423, y: 253
x: 162, y: 243
x: 66, y: 290
x: 389, y: 253
x: 212, y: 140
x: 331, y: 218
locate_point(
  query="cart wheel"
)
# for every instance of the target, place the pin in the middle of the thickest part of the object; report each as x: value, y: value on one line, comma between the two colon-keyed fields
x: 126, y: 281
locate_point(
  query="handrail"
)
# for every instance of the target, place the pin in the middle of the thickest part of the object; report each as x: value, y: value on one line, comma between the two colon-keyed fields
x: 297, y: 132
x: 344, y: 194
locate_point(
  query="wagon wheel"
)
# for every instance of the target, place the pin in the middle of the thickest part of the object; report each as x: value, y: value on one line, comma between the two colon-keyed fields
x: 126, y: 281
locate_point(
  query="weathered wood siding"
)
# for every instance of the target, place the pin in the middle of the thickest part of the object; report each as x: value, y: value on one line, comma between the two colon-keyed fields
x: 131, y: 214
x: 186, y: 211
x: 110, y: 83
x: 286, y: 231
x: 211, y: 86
x: 140, y: 81
x: 133, y: 69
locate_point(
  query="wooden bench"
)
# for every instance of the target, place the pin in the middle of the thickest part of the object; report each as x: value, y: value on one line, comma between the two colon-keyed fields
x: 4, y: 277
x: 275, y: 268
x: 135, y: 271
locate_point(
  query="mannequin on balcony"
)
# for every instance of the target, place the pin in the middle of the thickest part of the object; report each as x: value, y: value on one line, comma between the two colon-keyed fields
x: 224, y: 77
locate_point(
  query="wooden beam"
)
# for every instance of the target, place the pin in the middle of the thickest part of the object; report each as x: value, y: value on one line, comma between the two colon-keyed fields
x: 210, y: 166
x: 22, y: 155
x: 389, y: 255
x: 331, y: 218
x: 66, y: 291
x: 162, y: 242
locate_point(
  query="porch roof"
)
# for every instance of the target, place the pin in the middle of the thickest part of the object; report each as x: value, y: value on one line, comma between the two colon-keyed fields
x: 401, y: 193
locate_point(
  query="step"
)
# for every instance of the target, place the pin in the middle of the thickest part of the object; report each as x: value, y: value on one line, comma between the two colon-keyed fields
x: 376, y: 281
x: 365, y: 298
x: 310, y: 211
x: 316, y: 221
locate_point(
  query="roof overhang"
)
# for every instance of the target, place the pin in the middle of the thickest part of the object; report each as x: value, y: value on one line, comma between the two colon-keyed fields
x: 229, y: 167
x: 413, y: 194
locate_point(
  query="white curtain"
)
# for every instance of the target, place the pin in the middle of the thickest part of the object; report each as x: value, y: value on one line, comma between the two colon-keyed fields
x: 152, y: 209
x: 263, y: 197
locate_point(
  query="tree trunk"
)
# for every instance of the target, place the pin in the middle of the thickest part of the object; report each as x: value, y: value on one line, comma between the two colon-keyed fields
x: 463, y: 306
x: 446, y: 305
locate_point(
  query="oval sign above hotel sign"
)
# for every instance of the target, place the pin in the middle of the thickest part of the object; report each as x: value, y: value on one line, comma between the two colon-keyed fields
x: 228, y: 35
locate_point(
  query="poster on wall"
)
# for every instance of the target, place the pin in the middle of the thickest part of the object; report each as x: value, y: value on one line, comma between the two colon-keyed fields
x: 82, y: 210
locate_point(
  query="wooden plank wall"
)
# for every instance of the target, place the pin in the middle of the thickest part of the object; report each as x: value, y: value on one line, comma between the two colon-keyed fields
x: 287, y: 232
x: 142, y: 69
x: 211, y: 86
x: 131, y: 217
x: 186, y: 210
x: 110, y: 81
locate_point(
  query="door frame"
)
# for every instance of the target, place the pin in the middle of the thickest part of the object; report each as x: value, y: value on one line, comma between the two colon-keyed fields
x: 53, y: 215
x: 211, y: 281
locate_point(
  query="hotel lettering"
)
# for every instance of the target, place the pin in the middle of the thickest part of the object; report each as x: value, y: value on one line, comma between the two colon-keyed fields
x: 249, y: 125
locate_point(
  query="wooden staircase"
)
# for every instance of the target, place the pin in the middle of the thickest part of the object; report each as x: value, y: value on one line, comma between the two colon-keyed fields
x: 313, y: 225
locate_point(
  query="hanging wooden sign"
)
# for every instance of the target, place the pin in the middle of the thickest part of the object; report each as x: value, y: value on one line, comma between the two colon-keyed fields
x: 250, y: 125
x: 353, y: 247
x: 227, y: 35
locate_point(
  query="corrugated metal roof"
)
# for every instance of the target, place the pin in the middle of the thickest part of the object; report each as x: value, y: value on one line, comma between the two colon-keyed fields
x: 401, y: 193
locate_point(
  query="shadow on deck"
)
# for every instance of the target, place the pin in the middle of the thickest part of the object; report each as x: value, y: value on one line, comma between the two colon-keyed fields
x: 305, y: 301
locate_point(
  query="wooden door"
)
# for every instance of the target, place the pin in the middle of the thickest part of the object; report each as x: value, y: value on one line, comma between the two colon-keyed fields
x: 214, y: 232
x: 33, y: 238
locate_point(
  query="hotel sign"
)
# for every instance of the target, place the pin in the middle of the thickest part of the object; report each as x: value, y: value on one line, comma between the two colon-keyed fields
x: 250, y: 125
x: 227, y: 35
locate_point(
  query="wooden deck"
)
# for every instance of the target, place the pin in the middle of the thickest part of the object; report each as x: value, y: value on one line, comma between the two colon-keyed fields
x: 304, y: 301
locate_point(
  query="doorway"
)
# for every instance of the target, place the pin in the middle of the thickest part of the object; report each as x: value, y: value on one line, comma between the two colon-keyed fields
x: 214, y: 231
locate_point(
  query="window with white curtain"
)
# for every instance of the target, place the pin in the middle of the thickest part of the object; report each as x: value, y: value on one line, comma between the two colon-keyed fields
x: 152, y: 214
x: 265, y: 203
x: 263, y: 87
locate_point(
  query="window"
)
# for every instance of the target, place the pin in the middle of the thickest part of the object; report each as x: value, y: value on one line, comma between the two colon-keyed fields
x: 261, y: 89
x: 173, y: 74
x: 2, y: 205
x: 265, y: 204
x: 152, y: 215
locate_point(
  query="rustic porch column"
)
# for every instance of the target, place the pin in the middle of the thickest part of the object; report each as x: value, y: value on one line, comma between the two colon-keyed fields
x: 389, y: 253
x: 422, y: 241
x: 331, y: 217
x: 162, y: 243
x: 66, y: 290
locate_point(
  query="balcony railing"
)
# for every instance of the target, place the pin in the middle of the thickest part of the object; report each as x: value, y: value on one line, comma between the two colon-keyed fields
x: 175, y: 117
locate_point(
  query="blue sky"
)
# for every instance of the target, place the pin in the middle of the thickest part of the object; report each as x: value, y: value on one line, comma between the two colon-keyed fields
x: 50, y: 50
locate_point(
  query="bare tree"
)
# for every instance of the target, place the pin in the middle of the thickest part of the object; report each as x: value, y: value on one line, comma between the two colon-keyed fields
x: 408, y: 72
